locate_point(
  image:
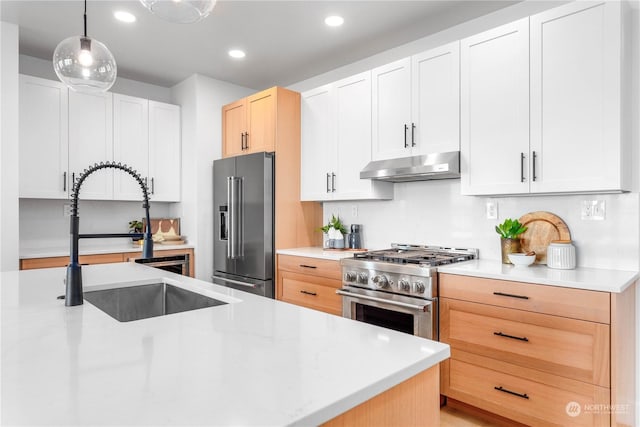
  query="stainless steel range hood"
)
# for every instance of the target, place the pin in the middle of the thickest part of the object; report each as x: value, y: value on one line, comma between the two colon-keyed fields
x: 416, y: 168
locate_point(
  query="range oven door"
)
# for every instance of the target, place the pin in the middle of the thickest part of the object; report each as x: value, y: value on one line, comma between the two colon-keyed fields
x: 415, y: 316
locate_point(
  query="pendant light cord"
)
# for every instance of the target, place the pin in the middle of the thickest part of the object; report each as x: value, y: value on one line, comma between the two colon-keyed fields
x: 85, y: 18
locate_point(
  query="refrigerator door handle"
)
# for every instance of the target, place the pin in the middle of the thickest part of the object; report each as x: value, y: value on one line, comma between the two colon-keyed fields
x: 234, y: 199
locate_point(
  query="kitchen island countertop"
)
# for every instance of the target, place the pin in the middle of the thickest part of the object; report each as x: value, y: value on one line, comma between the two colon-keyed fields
x: 253, y: 361
x: 593, y: 279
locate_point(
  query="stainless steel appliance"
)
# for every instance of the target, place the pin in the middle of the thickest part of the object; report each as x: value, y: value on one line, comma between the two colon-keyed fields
x: 415, y: 168
x: 243, y: 243
x: 397, y: 288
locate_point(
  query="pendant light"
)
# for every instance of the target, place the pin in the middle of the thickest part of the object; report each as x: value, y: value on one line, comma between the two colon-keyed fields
x: 180, y: 11
x: 84, y: 64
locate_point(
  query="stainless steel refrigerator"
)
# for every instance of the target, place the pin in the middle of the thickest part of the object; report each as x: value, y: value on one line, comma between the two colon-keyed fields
x: 243, y: 248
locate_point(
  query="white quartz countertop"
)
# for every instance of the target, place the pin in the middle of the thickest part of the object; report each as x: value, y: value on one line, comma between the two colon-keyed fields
x: 253, y: 361
x: 54, y: 251
x: 581, y: 278
x: 317, y: 252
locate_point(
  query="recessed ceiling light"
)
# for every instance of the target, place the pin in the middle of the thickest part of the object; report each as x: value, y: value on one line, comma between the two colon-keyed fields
x: 236, y: 53
x: 334, y: 20
x: 124, y: 16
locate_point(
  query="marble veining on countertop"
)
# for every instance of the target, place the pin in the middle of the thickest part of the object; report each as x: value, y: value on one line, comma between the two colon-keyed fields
x: 581, y: 277
x: 55, y: 251
x: 254, y: 361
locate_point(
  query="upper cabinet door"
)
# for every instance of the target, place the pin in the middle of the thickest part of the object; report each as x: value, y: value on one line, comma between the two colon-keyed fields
x: 495, y: 110
x: 130, y: 144
x: 353, y: 136
x: 165, y: 152
x: 43, y: 149
x: 435, y: 93
x: 261, y: 122
x: 391, y: 114
x: 317, y: 144
x: 575, y: 98
x: 91, y: 141
x: 234, y: 128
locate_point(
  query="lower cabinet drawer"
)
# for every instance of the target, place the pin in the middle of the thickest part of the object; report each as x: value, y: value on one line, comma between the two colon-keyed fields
x: 569, y: 348
x: 527, y: 401
x: 310, y: 266
x: 312, y: 292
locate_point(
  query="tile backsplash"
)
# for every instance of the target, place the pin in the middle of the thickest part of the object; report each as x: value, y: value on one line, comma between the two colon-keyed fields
x: 434, y: 213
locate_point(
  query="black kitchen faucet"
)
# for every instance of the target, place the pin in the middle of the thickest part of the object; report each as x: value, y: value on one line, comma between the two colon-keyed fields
x: 73, y: 293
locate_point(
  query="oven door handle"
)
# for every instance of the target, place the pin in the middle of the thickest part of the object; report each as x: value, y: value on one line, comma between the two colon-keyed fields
x: 416, y: 307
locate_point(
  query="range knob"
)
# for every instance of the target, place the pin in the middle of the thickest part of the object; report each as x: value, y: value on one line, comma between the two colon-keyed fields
x: 363, y: 278
x: 419, y: 287
x: 404, y: 285
x: 381, y: 281
x: 349, y: 276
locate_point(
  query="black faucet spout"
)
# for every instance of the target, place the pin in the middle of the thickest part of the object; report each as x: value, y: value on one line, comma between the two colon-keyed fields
x: 73, y: 293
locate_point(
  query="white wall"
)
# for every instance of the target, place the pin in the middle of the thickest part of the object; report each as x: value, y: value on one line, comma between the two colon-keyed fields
x: 43, y: 68
x: 202, y: 99
x: 8, y: 146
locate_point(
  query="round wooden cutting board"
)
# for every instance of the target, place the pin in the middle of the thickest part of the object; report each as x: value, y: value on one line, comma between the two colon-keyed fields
x: 542, y: 228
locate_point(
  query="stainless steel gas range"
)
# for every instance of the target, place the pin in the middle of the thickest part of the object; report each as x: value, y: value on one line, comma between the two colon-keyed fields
x: 397, y: 288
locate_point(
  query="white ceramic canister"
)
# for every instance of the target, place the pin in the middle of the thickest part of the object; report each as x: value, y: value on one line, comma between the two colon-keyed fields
x: 561, y: 254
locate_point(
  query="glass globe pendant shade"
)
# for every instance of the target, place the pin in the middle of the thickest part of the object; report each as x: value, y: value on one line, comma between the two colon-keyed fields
x: 84, y: 64
x: 180, y: 11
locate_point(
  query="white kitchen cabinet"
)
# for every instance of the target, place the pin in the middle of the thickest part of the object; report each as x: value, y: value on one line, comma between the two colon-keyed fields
x: 391, y: 110
x: 435, y: 108
x: 336, y: 142
x: 165, y: 152
x: 130, y: 144
x: 43, y: 149
x: 494, y: 89
x: 556, y: 124
x: 91, y: 141
x: 576, y: 140
x: 416, y: 104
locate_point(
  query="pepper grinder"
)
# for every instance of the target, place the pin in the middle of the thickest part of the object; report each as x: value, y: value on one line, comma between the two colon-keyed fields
x: 355, y: 241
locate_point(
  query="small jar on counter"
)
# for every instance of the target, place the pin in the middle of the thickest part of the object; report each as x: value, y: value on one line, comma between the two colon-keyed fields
x: 561, y: 254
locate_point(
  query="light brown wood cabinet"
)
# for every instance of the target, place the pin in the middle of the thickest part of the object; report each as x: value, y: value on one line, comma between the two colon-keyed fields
x: 63, y: 261
x: 309, y: 282
x: 535, y: 354
x: 249, y: 124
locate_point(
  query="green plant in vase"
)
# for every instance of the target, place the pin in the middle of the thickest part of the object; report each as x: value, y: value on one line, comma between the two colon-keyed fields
x: 335, y: 232
x: 509, y: 231
x: 135, y: 226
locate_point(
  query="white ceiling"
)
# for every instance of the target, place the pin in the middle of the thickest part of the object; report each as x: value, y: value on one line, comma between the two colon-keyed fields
x: 285, y: 41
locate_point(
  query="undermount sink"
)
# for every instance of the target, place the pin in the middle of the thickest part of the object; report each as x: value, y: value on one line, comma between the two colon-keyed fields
x: 144, y: 301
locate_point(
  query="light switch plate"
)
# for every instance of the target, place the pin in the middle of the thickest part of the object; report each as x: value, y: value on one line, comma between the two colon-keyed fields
x: 354, y: 211
x: 491, y: 209
x: 593, y: 210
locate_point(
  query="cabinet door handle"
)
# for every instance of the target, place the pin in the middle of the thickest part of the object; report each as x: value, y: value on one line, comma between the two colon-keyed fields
x: 73, y: 180
x: 533, y: 164
x: 308, y: 293
x: 246, y: 140
x: 328, y: 183
x: 500, y: 334
x: 405, y: 135
x: 153, y: 186
x: 307, y: 266
x: 413, y: 131
x: 64, y: 182
x: 504, y: 390
x: 502, y: 294
x: 333, y: 182
x: 521, y: 167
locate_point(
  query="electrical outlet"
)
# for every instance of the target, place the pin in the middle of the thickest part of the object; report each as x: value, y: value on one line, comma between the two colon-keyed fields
x: 66, y: 209
x: 354, y: 211
x: 593, y: 210
x: 491, y: 209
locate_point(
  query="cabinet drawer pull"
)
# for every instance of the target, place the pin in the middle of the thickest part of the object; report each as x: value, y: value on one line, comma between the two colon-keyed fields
x: 504, y: 390
x: 521, y: 167
x: 307, y: 266
x: 313, y: 294
x: 500, y: 334
x: 502, y: 294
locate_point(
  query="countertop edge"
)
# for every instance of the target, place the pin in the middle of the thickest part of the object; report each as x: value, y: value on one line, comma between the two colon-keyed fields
x: 57, y: 252
x: 316, y: 252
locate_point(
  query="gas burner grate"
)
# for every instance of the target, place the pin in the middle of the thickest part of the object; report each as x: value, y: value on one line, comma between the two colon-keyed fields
x: 430, y: 258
